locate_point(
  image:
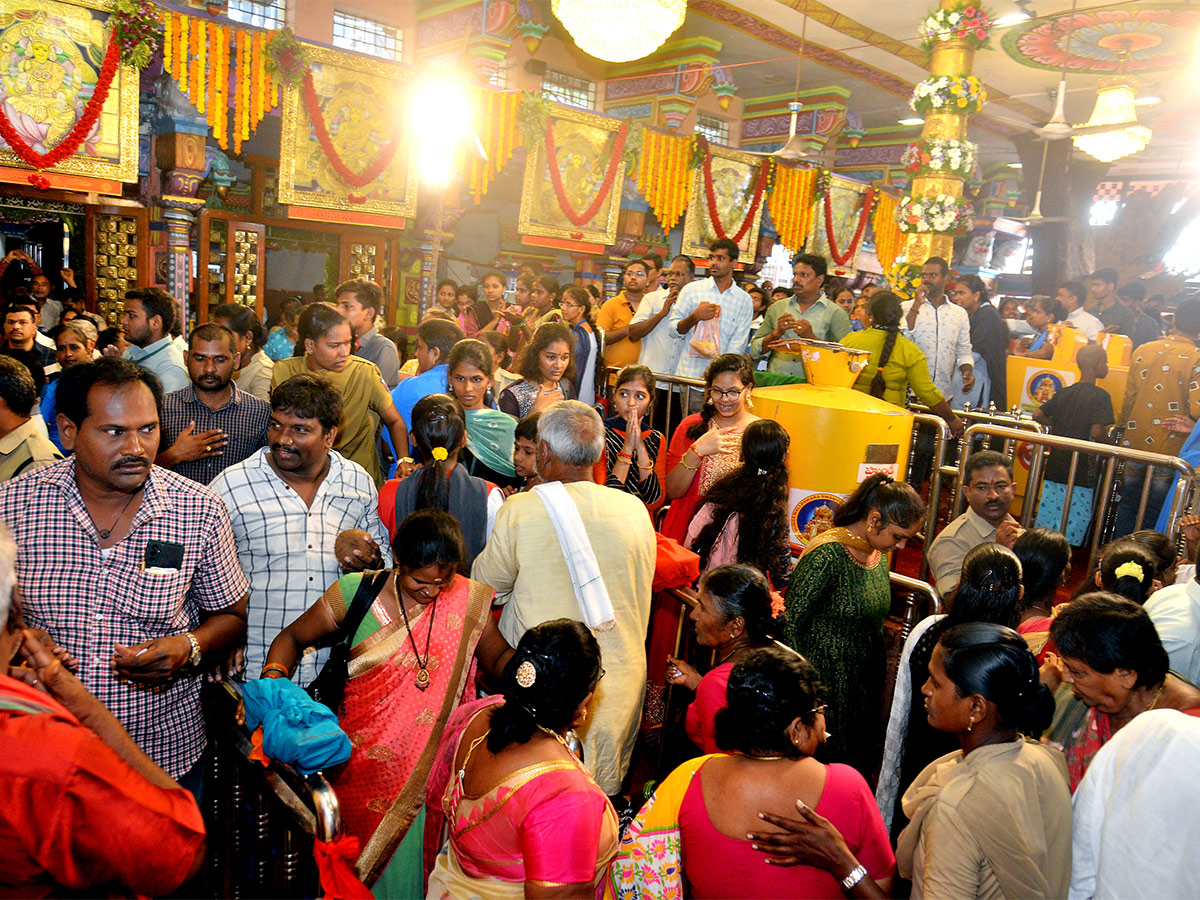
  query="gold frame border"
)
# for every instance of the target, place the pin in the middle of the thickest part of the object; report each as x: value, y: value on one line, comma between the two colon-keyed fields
x: 288, y: 139
x: 698, y: 206
x: 535, y: 159
x: 126, y: 168
x: 818, y: 217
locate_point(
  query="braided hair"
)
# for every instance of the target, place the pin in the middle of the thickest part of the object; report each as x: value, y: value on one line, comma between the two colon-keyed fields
x: 439, y: 429
x: 885, y: 314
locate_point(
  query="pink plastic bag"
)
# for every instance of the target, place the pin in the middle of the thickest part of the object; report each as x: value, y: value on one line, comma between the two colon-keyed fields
x: 706, y: 338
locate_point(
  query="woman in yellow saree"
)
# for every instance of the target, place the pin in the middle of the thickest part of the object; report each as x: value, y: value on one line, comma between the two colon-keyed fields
x: 412, y: 662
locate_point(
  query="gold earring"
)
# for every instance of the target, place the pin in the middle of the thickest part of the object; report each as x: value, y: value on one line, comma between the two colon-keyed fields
x: 970, y: 724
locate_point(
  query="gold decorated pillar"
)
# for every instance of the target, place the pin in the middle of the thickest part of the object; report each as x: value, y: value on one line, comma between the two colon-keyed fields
x: 953, y: 58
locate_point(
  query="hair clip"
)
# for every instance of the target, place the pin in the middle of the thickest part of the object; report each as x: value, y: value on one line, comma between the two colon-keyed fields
x: 1129, y: 568
x: 439, y: 453
x: 762, y: 471
x: 526, y: 672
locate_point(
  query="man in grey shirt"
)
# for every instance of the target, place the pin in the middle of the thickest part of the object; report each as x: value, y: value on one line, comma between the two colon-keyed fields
x: 361, y: 301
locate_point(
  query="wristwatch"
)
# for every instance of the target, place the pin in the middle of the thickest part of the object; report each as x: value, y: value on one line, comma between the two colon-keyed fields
x: 194, y: 658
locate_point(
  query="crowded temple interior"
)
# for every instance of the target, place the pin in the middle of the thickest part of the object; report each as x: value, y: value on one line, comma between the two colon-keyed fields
x: 599, y: 448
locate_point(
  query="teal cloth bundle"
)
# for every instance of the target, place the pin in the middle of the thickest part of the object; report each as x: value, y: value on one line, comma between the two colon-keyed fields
x: 297, y: 730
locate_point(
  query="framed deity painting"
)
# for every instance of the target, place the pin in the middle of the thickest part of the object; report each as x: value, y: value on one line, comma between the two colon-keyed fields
x: 584, y: 144
x: 845, y: 203
x: 52, y: 69
x: 356, y: 101
x: 735, y: 176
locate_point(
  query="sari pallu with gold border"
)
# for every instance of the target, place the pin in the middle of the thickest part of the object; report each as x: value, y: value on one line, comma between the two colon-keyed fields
x: 394, y: 726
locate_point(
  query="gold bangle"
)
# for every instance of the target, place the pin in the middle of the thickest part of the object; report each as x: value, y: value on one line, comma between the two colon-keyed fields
x: 275, y: 667
x: 683, y: 462
x: 649, y: 468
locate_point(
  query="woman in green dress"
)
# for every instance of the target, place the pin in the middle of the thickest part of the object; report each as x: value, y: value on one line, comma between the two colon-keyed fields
x: 836, y: 602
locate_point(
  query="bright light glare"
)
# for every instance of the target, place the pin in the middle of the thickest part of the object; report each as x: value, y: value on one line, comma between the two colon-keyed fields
x: 440, y: 115
x: 910, y: 121
x: 1013, y: 19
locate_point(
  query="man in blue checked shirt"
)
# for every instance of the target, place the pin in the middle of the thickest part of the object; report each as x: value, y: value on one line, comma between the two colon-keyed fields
x: 713, y: 297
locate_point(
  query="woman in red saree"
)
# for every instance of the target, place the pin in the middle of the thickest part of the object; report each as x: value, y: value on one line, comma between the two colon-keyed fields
x: 708, y: 445
x: 412, y: 661
x: 522, y: 815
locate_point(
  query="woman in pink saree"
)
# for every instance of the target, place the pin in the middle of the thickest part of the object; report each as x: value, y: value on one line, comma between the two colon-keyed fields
x: 522, y: 815
x: 412, y: 661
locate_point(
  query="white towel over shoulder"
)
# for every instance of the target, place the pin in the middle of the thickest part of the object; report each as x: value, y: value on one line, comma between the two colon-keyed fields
x: 590, y: 590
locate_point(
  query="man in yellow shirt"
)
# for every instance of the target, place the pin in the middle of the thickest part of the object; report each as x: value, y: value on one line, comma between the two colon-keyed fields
x: 616, y: 314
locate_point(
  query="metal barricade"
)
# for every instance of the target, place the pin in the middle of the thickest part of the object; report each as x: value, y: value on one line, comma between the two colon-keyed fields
x: 1104, y: 494
x: 262, y: 821
x: 941, y: 442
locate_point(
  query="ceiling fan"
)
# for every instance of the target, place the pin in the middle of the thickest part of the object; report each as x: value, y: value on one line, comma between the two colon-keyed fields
x: 793, y: 149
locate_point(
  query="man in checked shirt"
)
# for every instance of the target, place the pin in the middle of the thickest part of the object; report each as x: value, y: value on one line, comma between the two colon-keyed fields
x: 127, y: 565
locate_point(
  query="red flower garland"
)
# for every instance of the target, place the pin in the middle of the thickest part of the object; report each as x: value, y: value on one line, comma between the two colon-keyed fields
x: 312, y: 104
x: 843, y: 259
x: 710, y: 195
x: 560, y: 192
x: 77, y: 135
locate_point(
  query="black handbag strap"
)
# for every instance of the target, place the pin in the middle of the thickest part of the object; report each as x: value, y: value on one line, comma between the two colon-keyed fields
x: 368, y: 589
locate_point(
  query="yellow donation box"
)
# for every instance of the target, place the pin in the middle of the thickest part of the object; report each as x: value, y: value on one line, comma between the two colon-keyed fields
x: 840, y: 436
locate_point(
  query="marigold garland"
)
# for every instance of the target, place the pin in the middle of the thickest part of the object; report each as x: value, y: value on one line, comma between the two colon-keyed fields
x: 888, y: 238
x: 500, y: 138
x: 74, y: 138
x: 710, y: 195
x: 610, y: 174
x: 663, y: 161
x: 791, y: 204
x: 840, y: 258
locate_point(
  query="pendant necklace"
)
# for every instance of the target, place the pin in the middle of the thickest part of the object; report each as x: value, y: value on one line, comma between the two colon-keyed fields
x: 422, y: 679
x: 105, y: 532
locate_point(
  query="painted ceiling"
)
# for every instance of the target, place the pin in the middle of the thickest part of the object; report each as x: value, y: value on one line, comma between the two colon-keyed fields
x: 872, y: 49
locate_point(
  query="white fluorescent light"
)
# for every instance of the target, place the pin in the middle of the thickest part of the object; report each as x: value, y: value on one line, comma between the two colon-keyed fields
x: 911, y: 121
x: 1013, y: 19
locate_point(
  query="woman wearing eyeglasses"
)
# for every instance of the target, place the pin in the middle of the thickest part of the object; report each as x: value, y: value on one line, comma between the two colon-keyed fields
x: 695, y: 828
x: 707, y: 446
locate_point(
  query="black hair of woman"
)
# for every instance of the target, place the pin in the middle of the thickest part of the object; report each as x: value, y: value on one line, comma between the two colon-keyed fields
x: 429, y: 537
x: 582, y: 298
x: 742, y: 591
x: 529, y: 365
x: 757, y: 492
x: 1044, y: 556
x: 885, y: 315
x: 770, y: 692
x: 990, y: 589
x: 439, y: 430
x: 315, y: 321
x: 895, y: 501
x: 1108, y: 633
x: 555, y: 667
x: 994, y: 662
x: 736, y: 363
x: 1128, y: 570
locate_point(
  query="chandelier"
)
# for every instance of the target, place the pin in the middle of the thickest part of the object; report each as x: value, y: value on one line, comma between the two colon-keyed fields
x: 1114, y: 106
x: 619, y: 30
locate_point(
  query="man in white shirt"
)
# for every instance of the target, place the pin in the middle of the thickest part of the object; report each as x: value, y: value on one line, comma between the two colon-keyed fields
x: 148, y: 316
x: 660, y: 350
x: 1072, y: 296
x: 940, y: 328
x: 288, y: 503
x: 1175, y: 612
x: 716, y: 297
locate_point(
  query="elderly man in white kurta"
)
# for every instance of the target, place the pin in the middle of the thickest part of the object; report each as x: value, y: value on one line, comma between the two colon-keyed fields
x: 525, y: 564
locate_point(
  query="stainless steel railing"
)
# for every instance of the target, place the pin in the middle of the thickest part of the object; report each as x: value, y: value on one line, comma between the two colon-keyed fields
x: 941, y: 444
x: 1111, y: 459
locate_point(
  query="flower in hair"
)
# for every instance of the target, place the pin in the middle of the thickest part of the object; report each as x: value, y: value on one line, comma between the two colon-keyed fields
x: 526, y: 671
x: 440, y: 453
x: 1130, y: 568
